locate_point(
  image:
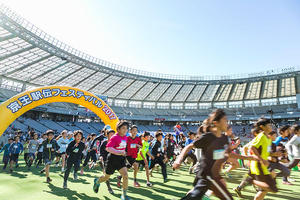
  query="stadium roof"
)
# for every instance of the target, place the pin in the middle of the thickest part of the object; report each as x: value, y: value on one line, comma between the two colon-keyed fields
x: 30, y: 57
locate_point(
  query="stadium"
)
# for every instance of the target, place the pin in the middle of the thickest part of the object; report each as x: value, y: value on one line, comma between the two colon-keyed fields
x: 31, y: 58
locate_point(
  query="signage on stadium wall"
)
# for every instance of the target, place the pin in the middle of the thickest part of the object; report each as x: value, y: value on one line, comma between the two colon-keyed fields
x: 13, y: 108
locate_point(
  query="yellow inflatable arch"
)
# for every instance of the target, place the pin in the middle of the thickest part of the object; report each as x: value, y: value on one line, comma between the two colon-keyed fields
x: 13, y: 108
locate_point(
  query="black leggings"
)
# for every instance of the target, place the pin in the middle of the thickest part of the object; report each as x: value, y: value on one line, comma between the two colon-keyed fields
x: 70, y: 163
x: 293, y: 163
x: 90, y: 155
x: 203, y: 184
x: 160, y: 161
x: 192, y: 156
x: 39, y: 158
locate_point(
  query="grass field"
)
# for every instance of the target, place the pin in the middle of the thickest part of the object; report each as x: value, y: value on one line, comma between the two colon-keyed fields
x: 23, y: 184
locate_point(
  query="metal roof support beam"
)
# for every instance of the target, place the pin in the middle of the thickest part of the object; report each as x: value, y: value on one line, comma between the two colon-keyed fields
x: 190, y: 93
x: 66, y: 76
x: 99, y: 82
x: 16, y: 53
x: 138, y: 90
x: 112, y: 86
x: 177, y: 92
x: 151, y: 92
x: 48, y: 71
x: 125, y: 88
x: 28, y: 65
x: 89, y: 76
x: 8, y: 37
x: 164, y: 92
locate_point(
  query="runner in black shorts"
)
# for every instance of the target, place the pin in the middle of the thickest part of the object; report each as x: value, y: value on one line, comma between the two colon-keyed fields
x: 215, y: 151
x: 103, y: 155
x: 116, y: 160
x: 132, y: 149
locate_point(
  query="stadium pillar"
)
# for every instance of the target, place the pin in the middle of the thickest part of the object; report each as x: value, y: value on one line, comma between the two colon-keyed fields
x: 13, y: 108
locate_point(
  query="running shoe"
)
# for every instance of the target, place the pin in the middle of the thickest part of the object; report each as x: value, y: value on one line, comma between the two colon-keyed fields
x: 96, y: 185
x: 65, y: 185
x: 238, y: 192
x: 136, y: 184
x: 81, y: 171
x: 149, y: 184
x: 125, y: 197
x: 75, y: 176
x: 287, y: 183
x: 48, y: 180
x: 110, y: 191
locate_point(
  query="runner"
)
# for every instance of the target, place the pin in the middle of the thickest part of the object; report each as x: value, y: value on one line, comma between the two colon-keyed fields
x: 132, y: 148
x: 260, y: 147
x: 74, y: 151
x: 50, y: 147
x: 15, y: 149
x: 159, y: 155
x: 171, y: 144
x: 62, y: 142
x: 142, y: 158
x: 215, y: 150
x: 39, y: 158
x: 191, y: 152
x: 5, y: 148
x: 293, y: 147
x: 91, y: 149
x: 247, y: 179
x: 104, y: 154
x: 32, y: 149
x: 116, y: 159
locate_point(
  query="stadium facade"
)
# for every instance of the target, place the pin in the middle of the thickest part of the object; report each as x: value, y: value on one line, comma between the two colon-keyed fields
x: 31, y: 58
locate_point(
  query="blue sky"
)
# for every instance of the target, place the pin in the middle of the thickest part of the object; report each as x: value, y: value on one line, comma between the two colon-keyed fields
x: 191, y: 37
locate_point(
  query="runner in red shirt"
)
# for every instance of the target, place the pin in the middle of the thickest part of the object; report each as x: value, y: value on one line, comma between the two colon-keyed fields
x: 132, y: 149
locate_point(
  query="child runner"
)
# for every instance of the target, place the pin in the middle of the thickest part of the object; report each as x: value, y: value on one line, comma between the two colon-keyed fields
x: 92, y: 147
x: 104, y: 154
x: 171, y: 144
x: 274, y: 161
x: 215, y: 149
x: 191, y: 153
x: 74, y: 151
x: 133, y: 145
x: 261, y: 147
x: 15, y: 149
x: 159, y: 156
x: 142, y: 158
x: 247, y: 179
x: 32, y: 149
x: 5, y: 148
x: 63, y: 144
x: 50, y: 147
x: 293, y: 147
x: 39, y: 157
x: 116, y: 159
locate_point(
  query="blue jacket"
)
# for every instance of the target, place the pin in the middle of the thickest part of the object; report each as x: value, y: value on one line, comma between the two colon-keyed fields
x: 16, y: 148
x: 5, y: 148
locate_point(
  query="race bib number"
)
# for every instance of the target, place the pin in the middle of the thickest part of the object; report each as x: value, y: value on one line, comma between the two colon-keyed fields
x: 123, y: 144
x: 33, y: 146
x: 76, y: 150
x: 219, y: 154
x: 49, y: 146
x: 269, y: 149
x: 15, y: 146
x: 132, y: 146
